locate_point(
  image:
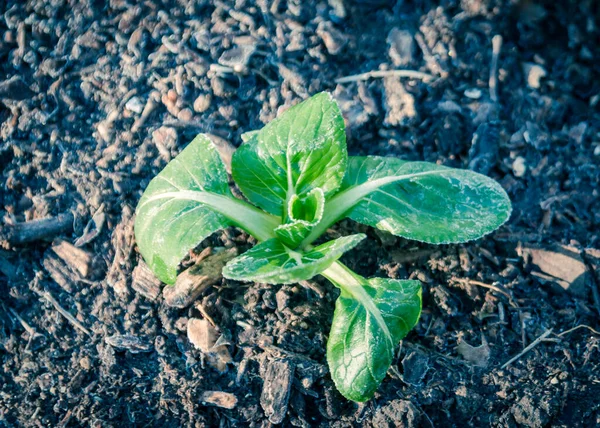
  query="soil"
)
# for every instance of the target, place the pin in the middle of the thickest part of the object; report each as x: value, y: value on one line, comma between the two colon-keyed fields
x: 96, y: 97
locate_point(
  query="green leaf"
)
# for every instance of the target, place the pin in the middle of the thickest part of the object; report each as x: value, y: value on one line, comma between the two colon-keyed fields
x: 418, y: 200
x: 187, y: 201
x: 371, y: 317
x: 304, y: 215
x: 304, y: 148
x: 271, y: 262
x: 248, y: 135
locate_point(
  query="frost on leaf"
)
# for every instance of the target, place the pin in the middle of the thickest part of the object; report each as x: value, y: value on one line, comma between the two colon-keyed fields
x: 304, y: 148
x: 424, y: 201
x: 369, y: 321
x: 272, y: 262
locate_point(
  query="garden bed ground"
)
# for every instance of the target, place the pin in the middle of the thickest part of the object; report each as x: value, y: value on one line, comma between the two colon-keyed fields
x: 96, y: 97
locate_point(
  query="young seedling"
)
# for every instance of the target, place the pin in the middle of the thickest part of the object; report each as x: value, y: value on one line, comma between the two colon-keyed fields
x: 297, y: 173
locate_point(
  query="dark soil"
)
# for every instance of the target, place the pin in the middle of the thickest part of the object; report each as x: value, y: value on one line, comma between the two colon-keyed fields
x: 85, y: 87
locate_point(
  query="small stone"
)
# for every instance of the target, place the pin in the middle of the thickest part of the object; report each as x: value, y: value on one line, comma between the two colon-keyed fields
x: 529, y: 413
x: 449, y: 107
x: 401, y: 47
x: 185, y: 115
x: 104, y: 131
x: 238, y: 57
x: 202, y: 103
x: 338, y: 10
x: 221, y: 88
x: 473, y: 93
x: 597, y: 150
x: 129, y: 342
x: 534, y: 74
x: 85, y: 363
x: 135, y: 105
x: 172, y: 95
x: 519, y: 167
x: 226, y: 400
x: 577, y: 133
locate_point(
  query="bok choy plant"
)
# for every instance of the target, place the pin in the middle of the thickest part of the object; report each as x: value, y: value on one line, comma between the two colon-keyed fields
x: 299, y: 181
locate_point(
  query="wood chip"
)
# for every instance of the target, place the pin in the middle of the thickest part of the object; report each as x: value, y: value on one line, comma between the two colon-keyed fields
x: 275, y: 395
x: 204, y: 336
x: 560, y: 266
x: 68, y: 265
x: 222, y: 399
x: 191, y: 283
x: 144, y: 282
x: 478, y: 356
x: 60, y: 273
x: 77, y: 259
x: 122, y: 241
x: 35, y: 230
x: 129, y: 342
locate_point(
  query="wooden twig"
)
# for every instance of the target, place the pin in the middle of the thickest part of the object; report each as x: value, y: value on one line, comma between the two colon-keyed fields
x: 385, y: 73
x: 532, y: 345
x: 489, y: 286
x: 46, y: 295
x: 28, y: 328
x: 571, y: 330
x: 493, y: 82
x: 31, y: 231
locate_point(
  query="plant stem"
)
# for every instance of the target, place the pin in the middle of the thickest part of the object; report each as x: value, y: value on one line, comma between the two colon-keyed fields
x: 345, y: 200
x: 245, y: 216
x: 352, y: 283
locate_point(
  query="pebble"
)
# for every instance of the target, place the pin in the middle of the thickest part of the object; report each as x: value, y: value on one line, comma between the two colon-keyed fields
x: 202, y: 103
x: 85, y: 363
x: 519, y: 166
x: 129, y: 342
x: 135, y: 105
x: 534, y: 74
x: 577, y: 133
x: 185, y: 115
x: 226, y: 400
x: 473, y: 93
x: 238, y: 57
